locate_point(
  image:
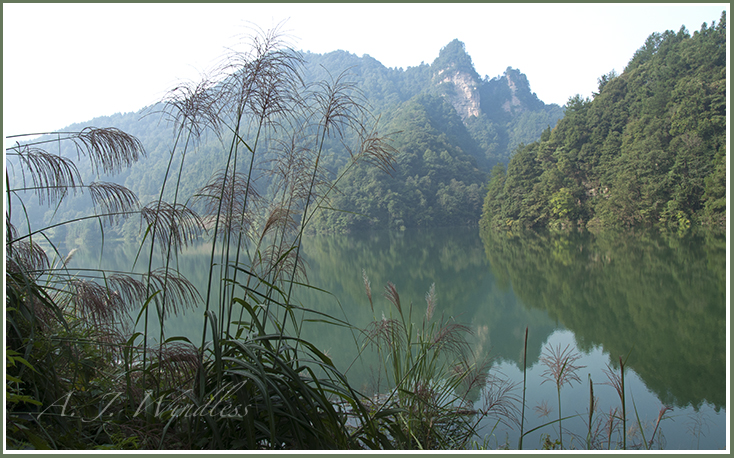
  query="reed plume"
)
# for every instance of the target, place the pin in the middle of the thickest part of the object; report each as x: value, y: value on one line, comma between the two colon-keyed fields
x: 562, y: 370
x: 232, y: 198
x: 194, y: 107
x: 109, y: 149
x: 368, y: 289
x: 500, y: 400
x: 385, y: 331
x: 113, y: 200
x: 28, y: 258
x: 180, y: 292
x: 51, y: 176
x: 430, y: 302
x: 97, y: 304
x: 282, y: 400
x: 173, y: 226
x: 391, y: 293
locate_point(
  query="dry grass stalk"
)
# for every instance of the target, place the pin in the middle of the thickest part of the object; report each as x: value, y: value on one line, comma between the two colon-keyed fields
x: 661, y: 414
x: 340, y: 105
x: 179, y: 363
x: 194, y: 107
x: 501, y: 401
x: 615, y: 380
x: 385, y: 331
x: 131, y: 291
x: 368, y: 289
x: 560, y: 367
x: 180, y: 293
x: 279, y: 217
x: 430, y: 302
x: 450, y: 337
x: 375, y: 149
x: 542, y: 409
x: 96, y: 303
x: 277, y: 260
x: 289, y: 168
x: 472, y: 376
x: 612, y: 423
x: 27, y: 258
x: 262, y: 81
x: 391, y: 293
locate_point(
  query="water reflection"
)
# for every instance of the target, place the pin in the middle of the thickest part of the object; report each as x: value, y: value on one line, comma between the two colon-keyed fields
x: 454, y: 259
x: 662, y: 298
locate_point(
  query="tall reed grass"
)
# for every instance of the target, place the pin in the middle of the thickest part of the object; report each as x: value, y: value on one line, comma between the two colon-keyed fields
x: 138, y: 387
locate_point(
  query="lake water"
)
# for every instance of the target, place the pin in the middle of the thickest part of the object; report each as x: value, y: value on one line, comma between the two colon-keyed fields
x: 659, y: 301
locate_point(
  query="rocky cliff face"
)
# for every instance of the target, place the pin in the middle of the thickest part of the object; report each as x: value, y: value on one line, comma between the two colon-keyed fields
x: 513, y: 103
x: 462, y: 90
x: 455, y: 78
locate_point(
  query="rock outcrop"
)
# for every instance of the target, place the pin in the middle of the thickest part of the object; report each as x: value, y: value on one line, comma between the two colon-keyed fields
x: 462, y: 90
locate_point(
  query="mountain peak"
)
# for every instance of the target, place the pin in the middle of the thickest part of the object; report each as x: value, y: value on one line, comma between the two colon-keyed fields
x: 453, y: 57
x: 454, y: 74
x: 517, y: 96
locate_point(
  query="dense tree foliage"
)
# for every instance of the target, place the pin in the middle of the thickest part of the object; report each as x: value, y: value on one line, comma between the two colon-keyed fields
x: 650, y: 148
x: 434, y: 182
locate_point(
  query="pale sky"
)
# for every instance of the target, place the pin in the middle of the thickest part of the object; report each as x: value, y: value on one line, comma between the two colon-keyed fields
x: 67, y: 63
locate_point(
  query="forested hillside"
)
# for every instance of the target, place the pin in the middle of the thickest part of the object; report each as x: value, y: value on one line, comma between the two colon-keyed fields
x: 650, y: 148
x: 435, y: 180
x: 449, y: 128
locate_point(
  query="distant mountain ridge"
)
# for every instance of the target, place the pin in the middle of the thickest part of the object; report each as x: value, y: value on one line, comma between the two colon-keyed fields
x: 452, y: 127
x: 485, y: 121
x: 500, y: 113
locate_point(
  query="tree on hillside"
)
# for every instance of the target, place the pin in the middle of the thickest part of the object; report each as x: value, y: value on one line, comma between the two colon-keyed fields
x: 649, y: 148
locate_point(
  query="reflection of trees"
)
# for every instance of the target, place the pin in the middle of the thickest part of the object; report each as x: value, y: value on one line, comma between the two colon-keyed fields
x: 662, y: 297
x: 413, y: 260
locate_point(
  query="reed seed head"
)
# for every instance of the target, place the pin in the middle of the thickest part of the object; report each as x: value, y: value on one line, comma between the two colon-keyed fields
x: 560, y: 367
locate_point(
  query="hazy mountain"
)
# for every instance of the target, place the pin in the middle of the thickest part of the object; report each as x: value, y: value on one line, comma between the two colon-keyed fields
x: 471, y: 124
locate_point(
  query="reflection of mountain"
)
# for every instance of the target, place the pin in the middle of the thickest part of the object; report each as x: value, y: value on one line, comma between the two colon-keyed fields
x: 662, y: 298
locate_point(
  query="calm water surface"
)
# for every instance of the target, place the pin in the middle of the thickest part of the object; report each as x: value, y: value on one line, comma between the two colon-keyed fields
x: 657, y: 300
